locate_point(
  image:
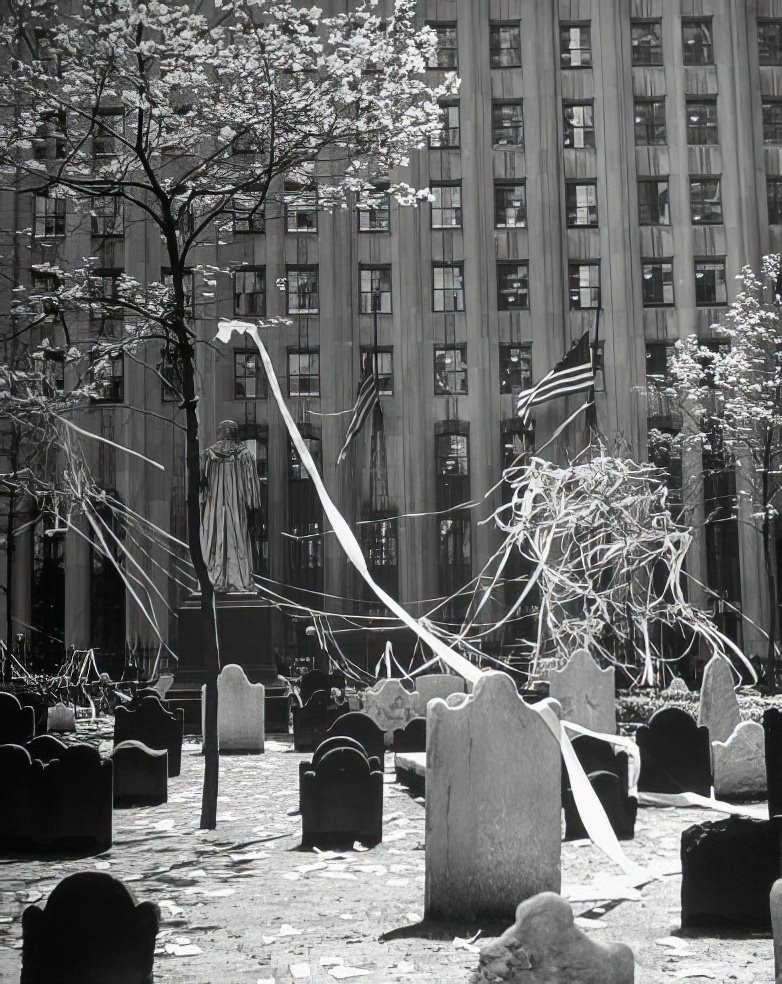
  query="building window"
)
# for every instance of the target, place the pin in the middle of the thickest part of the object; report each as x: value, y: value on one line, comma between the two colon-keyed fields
x: 44, y: 289
x: 379, y: 543
x: 448, y: 287
x: 584, y: 285
x: 649, y: 122
x: 108, y: 376
x: 249, y: 378
x: 774, y: 196
x: 109, y: 129
x: 49, y: 216
x: 770, y: 42
x: 188, y: 283
x: 384, y: 357
x: 653, y: 202
x: 447, y: 206
x: 657, y: 283
x: 250, y: 292
x: 705, y: 201
x: 452, y: 490
x: 447, y: 51
x: 170, y: 371
x: 303, y: 297
x: 512, y: 286
x: 581, y: 203
x: 50, y: 142
x: 702, y: 122
x: 515, y: 367
x: 53, y: 368
x: 454, y: 553
x: 507, y: 124
x: 375, y: 289
x: 505, y: 45
x: 697, y: 42
x: 248, y: 218
x: 772, y: 121
x: 301, y: 209
x: 296, y: 470
x: 710, y: 284
x: 450, y: 132
x: 453, y: 457
x: 510, y: 206
x: 575, y: 45
x: 661, y: 409
x: 646, y: 39
x: 105, y: 286
x: 374, y: 213
x: 303, y: 372
x: 450, y: 371
x: 107, y: 218
x: 304, y: 520
x: 579, y: 125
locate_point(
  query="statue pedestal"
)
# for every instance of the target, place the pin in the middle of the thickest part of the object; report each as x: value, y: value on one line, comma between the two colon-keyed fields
x: 243, y: 626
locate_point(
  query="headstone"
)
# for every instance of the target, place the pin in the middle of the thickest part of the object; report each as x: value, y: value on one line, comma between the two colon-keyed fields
x: 240, y: 711
x: 89, y: 932
x: 586, y: 693
x: 163, y: 684
x: 493, y: 800
x: 728, y: 868
x: 546, y: 947
x: 775, y: 906
x: 455, y: 700
x: 411, y: 738
x: 341, y: 800
x: 772, y: 727
x: 17, y: 723
x: 611, y: 790
x: 719, y: 707
x: 675, y: 755
x: 389, y: 705
x: 677, y: 686
x: 431, y: 685
x: 154, y: 726
x: 357, y: 725
x: 140, y: 774
x: 36, y: 700
x: 338, y: 741
x: 46, y: 748
x: 410, y: 768
x: 739, y: 763
x: 61, y: 718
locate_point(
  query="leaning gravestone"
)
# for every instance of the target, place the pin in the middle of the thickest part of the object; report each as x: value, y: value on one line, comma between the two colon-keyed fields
x: 675, y: 754
x: 431, y: 685
x: 719, y: 708
x: 546, y: 947
x: 728, y: 868
x: 389, y: 705
x: 586, y: 693
x: 140, y: 774
x: 240, y: 711
x: 493, y: 801
x: 61, y: 718
x: 739, y: 763
x: 17, y: 723
x: 90, y: 932
x: 154, y: 726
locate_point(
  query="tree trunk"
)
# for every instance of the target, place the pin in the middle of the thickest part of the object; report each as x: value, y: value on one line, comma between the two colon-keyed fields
x: 771, y: 576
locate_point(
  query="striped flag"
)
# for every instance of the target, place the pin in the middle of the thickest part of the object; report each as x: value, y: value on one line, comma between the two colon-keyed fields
x: 367, y: 398
x: 573, y: 374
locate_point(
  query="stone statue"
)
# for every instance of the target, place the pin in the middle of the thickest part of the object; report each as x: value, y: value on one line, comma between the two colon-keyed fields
x: 230, y: 511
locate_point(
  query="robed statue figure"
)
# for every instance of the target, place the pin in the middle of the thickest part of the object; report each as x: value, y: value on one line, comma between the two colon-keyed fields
x: 230, y: 511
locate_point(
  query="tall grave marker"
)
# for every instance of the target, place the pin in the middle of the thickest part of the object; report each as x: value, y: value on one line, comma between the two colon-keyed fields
x: 586, y: 693
x: 719, y: 708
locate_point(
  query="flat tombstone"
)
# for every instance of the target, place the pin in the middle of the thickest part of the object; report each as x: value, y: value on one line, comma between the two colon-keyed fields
x: 545, y: 937
x: 17, y: 723
x: 432, y: 685
x: 90, y: 932
x: 719, y: 708
x: 389, y: 705
x: 586, y: 693
x: 739, y: 763
x: 728, y: 869
x: 140, y: 774
x: 493, y: 801
x: 675, y: 754
x: 240, y: 711
x: 61, y: 718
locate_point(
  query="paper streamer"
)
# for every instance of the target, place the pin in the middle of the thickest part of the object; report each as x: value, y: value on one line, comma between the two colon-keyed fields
x: 621, y: 742
x: 701, y: 802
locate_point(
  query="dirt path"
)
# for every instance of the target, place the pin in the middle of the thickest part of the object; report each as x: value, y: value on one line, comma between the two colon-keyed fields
x: 260, y: 910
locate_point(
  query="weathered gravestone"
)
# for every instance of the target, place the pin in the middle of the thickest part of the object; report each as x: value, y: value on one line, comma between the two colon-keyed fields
x: 357, y: 725
x: 389, y: 705
x: 240, y: 711
x: 61, y: 719
x: 154, y: 726
x: 493, y: 800
x: 17, y: 723
x: 546, y: 947
x: 677, y: 686
x: 586, y: 693
x: 772, y: 727
x: 428, y: 686
x: 339, y: 741
x: 775, y: 906
x: 46, y: 748
x: 163, y: 684
x: 90, y: 932
x: 411, y: 738
x: 341, y: 800
x: 608, y: 774
x: 63, y: 805
x: 739, y: 763
x: 675, y: 755
x: 719, y: 707
x: 728, y: 868
x: 140, y: 774
x: 37, y: 701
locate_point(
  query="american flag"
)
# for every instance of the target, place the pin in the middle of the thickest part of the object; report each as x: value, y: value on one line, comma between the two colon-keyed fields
x: 575, y: 373
x: 367, y: 397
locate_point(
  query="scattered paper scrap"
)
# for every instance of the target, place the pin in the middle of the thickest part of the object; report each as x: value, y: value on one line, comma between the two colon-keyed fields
x: 342, y: 972
x: 300, y: 971
x: 685, y: 973
x: 287, y: 930
x: 331, y: 961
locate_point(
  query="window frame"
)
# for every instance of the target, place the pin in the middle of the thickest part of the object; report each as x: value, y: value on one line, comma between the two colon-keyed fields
x: 117, y: 358
x: 311, y: 352
x: 376, y: 210
x: 501, y: 187
x: 306, y: 205
x: 294, y: 269
x: 703, y: 179
x: 440, y: 186
x: 452, y: 62
x: 635, y: 48
x: 769, y: 22
x: 666, y: 265
x: 438, y: 143
x: 495, y: 60
x: 504, y: 266
x: 774, y: 104
x: 56, y: 215
x: 774, y: 181
x: 583, y: 104
x: 568, y: 26
x: 516, y: 126
x: 460, y: 369
x: 591, y: 265
x: 458, y: 293
x: 258, y: 378
x: 506, y: 349
x: 383, y: 270
x: 712, y: 128
x: 573, y: 184
x: 255, y: 269
x: 385, y: 379
x: 708, y: 59
x: 648, y: 182
x: 647, y: 134
x: 102, y: 132
x: 719, y: 263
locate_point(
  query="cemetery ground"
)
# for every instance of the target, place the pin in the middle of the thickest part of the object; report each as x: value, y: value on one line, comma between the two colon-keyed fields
x: 244, y: 904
